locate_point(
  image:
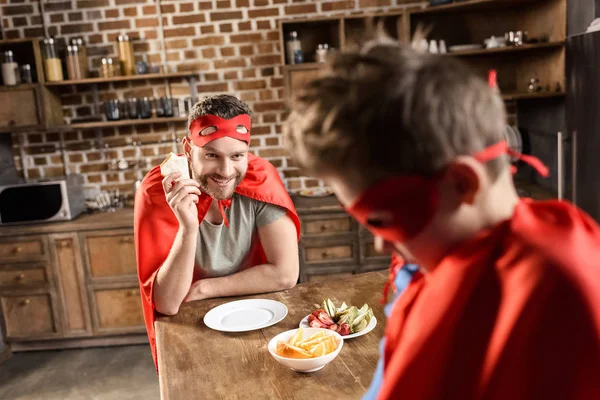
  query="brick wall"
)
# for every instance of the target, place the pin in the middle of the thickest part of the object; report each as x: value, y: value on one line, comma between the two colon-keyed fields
x: 232, y: 44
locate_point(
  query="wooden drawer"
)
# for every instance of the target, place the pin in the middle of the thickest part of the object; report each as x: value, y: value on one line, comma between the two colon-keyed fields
x: 298, y: 78
x: 16, y: 277
x: 29, y: 316
x: 118, y: 310
x: 20, y: 108
x: 327, y: 225
x: 23, y: 249
x: 369, y: 254
x: 324, y: 252
x: 110, y: 254
x: 326, y: 274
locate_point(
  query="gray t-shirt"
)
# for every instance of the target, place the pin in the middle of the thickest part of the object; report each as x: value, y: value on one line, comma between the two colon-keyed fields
x: 223, y: 250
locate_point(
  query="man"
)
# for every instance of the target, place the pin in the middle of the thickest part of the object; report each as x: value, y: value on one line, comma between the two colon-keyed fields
x: 506, y: 304
x: 197, y: 238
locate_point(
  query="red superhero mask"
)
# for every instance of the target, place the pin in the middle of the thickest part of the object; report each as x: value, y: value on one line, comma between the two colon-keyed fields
x: 237, y: 127
x: 224, y: 127
x: 398, y: 208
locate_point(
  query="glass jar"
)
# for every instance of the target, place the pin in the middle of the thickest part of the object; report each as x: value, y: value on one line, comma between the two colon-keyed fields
x: 126, y: 55
x: 73, y: 63
x: 52, y: 63
x: 145, y: 107
x: 294, y: 49
x: 112, y: 110
x: 26, y: 75
x: 83, y: 58
x: 10, y: 69
x: 107, y: 69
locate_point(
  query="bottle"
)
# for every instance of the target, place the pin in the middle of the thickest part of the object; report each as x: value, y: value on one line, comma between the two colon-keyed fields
x: 433, y: 47
x: 126, y: 55
x: 83, y: 57
x: 52, y: 63
x: 321, y: 54
x: 26, y: 76
x: 107, y: 69
x: 141, y: 67
x: 9, y: 69
x: 294, y: 49
x: 73, y: 63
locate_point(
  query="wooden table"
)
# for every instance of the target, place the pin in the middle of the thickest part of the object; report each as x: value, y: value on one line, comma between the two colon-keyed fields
x: 196, y: 362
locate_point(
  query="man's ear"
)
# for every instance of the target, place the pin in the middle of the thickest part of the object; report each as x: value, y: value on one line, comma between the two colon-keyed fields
x: 464, y: 181
x: 187, y: 147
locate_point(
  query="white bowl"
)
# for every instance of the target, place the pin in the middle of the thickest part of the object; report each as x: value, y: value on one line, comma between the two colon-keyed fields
x: 305, y: 364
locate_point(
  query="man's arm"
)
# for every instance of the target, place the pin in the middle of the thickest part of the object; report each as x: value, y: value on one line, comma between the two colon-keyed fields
x: 279, y: 242
x: 175, y: 276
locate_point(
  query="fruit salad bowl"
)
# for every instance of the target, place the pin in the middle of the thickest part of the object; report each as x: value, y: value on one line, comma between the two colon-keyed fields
x: 306, y: 349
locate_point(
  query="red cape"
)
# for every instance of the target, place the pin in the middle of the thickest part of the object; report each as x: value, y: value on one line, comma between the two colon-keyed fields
x: 155, y: 224
x: 512, y: 314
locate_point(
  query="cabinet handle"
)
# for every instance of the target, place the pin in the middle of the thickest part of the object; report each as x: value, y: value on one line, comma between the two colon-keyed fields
x: 25, y: 302
x: 131, y: 293
x: 17, y: 250
x: 128, y: 239
x: 64, y: 244
x: 323, y: 228
x: 20, y: 277
x: 324, y: 254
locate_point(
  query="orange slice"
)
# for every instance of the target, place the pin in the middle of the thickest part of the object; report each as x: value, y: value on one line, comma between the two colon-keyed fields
x: 297, y: 338
x: 287, y: 350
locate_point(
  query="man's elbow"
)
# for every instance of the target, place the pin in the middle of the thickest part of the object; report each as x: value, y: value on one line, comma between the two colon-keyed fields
x: 289, y: 280
x: 167, y: 309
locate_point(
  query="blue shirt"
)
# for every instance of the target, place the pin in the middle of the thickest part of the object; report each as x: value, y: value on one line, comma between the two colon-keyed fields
x: 403, y: 278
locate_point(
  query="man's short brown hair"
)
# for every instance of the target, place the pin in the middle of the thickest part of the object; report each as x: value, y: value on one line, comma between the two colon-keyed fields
x: 221, y: 105
x: 388, y: 110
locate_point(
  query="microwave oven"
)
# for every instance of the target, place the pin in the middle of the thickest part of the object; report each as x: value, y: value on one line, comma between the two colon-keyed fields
x: 27, y: 203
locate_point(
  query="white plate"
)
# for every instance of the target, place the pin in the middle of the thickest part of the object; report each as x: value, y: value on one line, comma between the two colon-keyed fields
x: 245, y: 315
x: 369, y: 328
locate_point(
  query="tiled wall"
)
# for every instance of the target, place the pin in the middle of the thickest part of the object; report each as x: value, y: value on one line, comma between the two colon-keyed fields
x: 232, y: 44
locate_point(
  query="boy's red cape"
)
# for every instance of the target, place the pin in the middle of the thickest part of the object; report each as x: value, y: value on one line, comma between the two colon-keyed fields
x: 512, y: 314
x: 155, y: 224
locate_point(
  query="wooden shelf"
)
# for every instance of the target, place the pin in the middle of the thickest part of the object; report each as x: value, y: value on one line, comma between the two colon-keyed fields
x: 526, y: 95
x: 472, y: 5
x: 126, y: 122
x: 507, y: 49
x: 305, y: 66
x: 16, y: 88
x: 128, y: 78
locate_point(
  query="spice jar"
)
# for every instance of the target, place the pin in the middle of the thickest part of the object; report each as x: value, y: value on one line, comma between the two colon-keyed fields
x: 10, y: 69
x: 126, y: 55
x: 145, y: 107
x: 83, y: 58
x: 52, y: 63
x: 26, y: 75
x: 294, y: 49
x: 107, y: 69
x: 112, y: 110
x: 73, y: 63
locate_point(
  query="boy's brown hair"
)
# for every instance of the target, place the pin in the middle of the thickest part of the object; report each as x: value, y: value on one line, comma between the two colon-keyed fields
x: 388, y: 110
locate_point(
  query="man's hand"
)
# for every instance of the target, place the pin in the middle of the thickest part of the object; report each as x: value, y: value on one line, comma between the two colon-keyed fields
x: 196, y: 292
x: 182, y: 198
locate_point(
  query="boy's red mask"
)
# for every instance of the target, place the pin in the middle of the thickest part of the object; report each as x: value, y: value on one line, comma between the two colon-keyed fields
x: 399, y: 207
x: 224, y: 128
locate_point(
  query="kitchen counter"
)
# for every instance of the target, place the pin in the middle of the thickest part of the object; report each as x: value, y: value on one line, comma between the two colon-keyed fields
x: 195, y: 360
x: 122, y: 218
